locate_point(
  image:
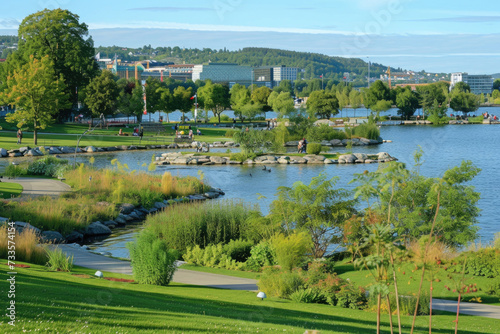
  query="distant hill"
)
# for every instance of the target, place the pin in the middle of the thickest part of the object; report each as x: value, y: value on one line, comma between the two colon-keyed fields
x: 312, y: 64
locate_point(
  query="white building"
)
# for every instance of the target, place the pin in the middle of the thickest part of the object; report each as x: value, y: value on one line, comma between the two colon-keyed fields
x: 479, y: 84
x: 284, y: 73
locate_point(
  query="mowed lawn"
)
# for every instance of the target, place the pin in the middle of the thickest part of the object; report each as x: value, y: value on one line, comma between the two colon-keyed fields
x: 61, y: 302
x: 9, y: 190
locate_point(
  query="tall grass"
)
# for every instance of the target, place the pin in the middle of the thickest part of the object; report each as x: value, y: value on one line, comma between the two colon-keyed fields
x: 27, y: 248
x: 188, y: 225
x: 58, y: 261
x: 365, y: 130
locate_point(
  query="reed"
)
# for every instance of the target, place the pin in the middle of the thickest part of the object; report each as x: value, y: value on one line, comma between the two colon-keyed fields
x: 27, y: 248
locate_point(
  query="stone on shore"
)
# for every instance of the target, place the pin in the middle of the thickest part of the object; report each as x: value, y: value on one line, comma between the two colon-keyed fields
x: 52, y: 237
x: 97, y: 228
x: 74, y: 237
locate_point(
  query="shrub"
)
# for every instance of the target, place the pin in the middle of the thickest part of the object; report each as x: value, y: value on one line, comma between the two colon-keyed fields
x: 290, y: 250
x: 242, y: 157
x: 261, y: 255
x: 58, y: 261
x: 276, y: 283
x: 367, y: 130
x: 212, y: 256
x: 494, y: 287
x: 324, y: 132
x: 351, y: 297
x: 313, y: 148
x: 27, y: 248
x: 484, y: 262
x: 152, y: 261
x: 204, y: 224
x: 406, y: 304
x: 48, y: 166
x: 308, y: 295
x: 328, y: 287
x: 15, y: 171
x: 238, y: 250
x: 230, y: 133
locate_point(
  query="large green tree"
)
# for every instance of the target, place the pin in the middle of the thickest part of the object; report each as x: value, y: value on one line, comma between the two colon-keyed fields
x: 102, y: 94
x: 407, y: 101
x: 59, y: 35
x: 322, y: 104
x: 182, y: 99
x: 37, y: 93
x: 378, y: 91
x: 281, y: 103
x: 240, y: 97
x: 215, y: 97
x: 464, y: 102
x: 319, y: 208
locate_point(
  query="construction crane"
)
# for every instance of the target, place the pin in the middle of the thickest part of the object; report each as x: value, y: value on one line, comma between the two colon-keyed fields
x: 389, y: 76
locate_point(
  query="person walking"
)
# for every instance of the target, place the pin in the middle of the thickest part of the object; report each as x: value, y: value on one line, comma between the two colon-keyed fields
x: 19, y: 136
x: 141, y: 133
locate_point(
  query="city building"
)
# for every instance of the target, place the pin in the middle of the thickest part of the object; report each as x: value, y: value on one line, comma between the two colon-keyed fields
x: 284, y: 73
x: 222, y: 73
x: 181, y: 72
x: 479, y: 84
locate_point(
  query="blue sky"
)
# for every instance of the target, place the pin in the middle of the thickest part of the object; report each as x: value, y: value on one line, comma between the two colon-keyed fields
x: 437, y: 36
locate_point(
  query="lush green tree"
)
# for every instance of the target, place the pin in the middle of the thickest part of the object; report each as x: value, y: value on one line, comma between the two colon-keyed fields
x: 253, y: 141
x: 355, y: 99
x: 284, y: 86
x: 429, y: 95
x: 215, y: 97
x: 240, y: 97
x: 102, y: 94
x: 182, y: 99
x: 407, y: 101
x: 413, y: 201
x: 36, y: 92
x: 381, y: 106
x: 322, y: 104
x: 260, y: 96
x: 59, y: 35
x: 496, y: 84
x: 461, y: 87
x: 152, y: 96
x: 282, y: 103
x: 318, y: 208
x: 464, y: 102
x: 165, y: 100
x: 343, y: 100
x: 378, y: 91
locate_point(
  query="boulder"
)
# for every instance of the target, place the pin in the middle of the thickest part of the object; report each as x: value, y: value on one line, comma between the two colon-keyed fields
x: 211, y: 194
x: 66, y: 149
x: 97, y: 228
x: 160, y: 205
x: 328, y: 161
x: 217, y: 160
x: 52, y: 237
x: 369, y: 161
x: 24, y: 149
x: 326, y: 143
x: 336, y: 142
x: 314, y: 157
x: 74, y: 237
x: 21, y: 226
x: 383, y: 156
x: 3, y: 153
x: 347, y: 158
x: 54, y: 150
x: 265, y: 157
x: 283, y: 161
x: 134, y: 215
x: 234, y: 162
x: 33, y: 153
x: 120, y: 220
x: 108, y: 223
x: 90, y: 149
x: 360, y: 156
x: 15, y: 154
x: 195, y: 144
x: 297, y: 160
x: 126, y: 208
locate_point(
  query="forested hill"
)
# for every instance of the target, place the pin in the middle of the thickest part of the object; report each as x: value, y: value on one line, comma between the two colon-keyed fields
x: 313, y: 64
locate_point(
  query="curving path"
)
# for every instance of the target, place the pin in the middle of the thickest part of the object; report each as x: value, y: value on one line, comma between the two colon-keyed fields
x: 84, y: 258
x: 40, y: 187
x: 88, y: 259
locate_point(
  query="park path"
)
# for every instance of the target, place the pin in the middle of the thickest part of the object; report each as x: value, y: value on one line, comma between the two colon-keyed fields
x: 87, y: 259
x: 40, y: 187
x: 84, y: 258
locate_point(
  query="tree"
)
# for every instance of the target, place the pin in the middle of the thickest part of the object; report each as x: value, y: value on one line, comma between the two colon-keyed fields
x: 182, y: 99
x: 322, y: 104
x: 284, y: 86
x: 378, y: 91
x: 317, y: 208
x: 496, y: 84
x: 165, y: 100
x: 382, y: 105
x: 461, y: 87
x: 355, y: 99
x: 102, y: 94
x: 36, y: 92
x: 429, y: 95
x: 282, y: 103
x: 215, y: 97
x: 260, y: 97
x: 407, y: 102
x: 240, y: 97
x: 464, y: 102
x: 59, y: 35
x: 343, y: 99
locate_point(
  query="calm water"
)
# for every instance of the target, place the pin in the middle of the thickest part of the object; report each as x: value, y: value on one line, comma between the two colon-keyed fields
x: 444, y: 147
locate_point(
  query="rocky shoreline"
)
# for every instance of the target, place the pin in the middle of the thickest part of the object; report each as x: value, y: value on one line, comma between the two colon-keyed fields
x: 129, y: 214
x: 177, y: 158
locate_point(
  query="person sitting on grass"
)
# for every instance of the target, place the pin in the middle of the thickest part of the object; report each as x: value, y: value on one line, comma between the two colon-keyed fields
x: 120, y: 132
x: 198, y: 132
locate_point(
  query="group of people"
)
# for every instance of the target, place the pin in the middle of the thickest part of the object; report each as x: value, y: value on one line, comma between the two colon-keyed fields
x: 139, y: 132
x: 302, y: 147
x: 272, y: 124
x: 490, y: 117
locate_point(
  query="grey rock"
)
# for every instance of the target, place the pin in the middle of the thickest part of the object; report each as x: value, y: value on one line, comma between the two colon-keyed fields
x: 3, y: 153
x: 283, y: 161
x: 126, y: 208
x: 159, y: 205
x: 96, y: 228
x: 383, y: 156
x: 328, y: 161
x: 347, y: 158
x: 52, y: 237
x: 134, y: 215
x: 20, y: 226
x: 336, y: 142
x: 217, y: 160
x: 54, y: 150
x: 33, y: 153
x: 128, y: 218
x: 360, y: 156
x: 109, y: 222
x: 326, y: 143
x: 74, y: 237
x: 24, y: 149
x: 314, y: 157
x: 90, y: 149
x: 369, y: 161
x: 15, y: 154
x: 66, y: 149
x: 211, y: 194
x: 233, y: 162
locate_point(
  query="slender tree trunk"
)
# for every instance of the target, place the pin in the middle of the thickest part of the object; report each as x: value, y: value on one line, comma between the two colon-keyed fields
x: 397, y: 293
x: 35, y: 133
x: 390, y: 312
x: 379, y: 299
x: 458, y: 311
x: 430, y: 310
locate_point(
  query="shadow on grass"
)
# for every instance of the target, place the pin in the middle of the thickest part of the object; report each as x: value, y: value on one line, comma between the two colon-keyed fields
x: 177, y: 307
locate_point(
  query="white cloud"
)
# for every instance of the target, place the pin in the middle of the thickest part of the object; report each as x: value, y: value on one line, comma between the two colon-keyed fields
x: 9, y: 23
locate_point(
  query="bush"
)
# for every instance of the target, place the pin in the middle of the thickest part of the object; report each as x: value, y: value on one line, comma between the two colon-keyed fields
x: 58, y: 261
x: 48, y: 166
x: 212, y: 256
x: 262, y: 255
x: 324, y: 132
x: 27, y: 248
x: 406, y: 304
x: 313, y: 148
x: 367, y: 130
x: 152, y: 261
x: 238, y: 250
x: 290, y: 250
x: 494, y: 287
x: 308, y: 295
x: 242, y: 157
x: 484, y: 262
x: 15, y: 171
x: 276, y: 283
x: 230, y: 133
x: 351, y: 297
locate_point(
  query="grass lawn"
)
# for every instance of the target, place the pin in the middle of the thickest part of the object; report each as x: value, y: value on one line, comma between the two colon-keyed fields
x: 409, y: 278
x: 61, y: 302
x: 9, y: 190
x: 220, y: 271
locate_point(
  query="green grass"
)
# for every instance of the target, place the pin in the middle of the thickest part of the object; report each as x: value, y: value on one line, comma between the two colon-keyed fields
x: 9, y: 190
x: 409, y: 278
x: 62, y: 302
x: 220, y: 271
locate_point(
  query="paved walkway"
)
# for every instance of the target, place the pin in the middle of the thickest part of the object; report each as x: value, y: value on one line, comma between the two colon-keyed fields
x: 87, y: 259
x: 483, y: 310
x: 40, y: 187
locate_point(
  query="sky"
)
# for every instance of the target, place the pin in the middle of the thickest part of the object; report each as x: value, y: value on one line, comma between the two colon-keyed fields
x: 431, y: 35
